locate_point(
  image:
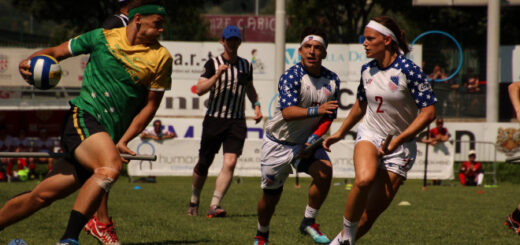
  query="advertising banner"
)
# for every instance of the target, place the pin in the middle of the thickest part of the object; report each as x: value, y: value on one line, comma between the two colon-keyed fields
x: 254, y: 28
x: 177, y: 157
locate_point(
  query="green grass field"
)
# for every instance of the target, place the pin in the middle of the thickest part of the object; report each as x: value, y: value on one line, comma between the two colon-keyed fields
x: 156, y: 214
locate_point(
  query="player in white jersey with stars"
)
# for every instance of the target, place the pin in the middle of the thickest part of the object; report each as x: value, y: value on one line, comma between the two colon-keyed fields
x: 391, y: 92
x: 307, y: 105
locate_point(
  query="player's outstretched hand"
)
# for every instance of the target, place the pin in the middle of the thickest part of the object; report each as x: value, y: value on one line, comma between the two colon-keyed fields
x: 24, y: 68
x: 331, y: 140
x: 328, y: 107
x: 123, y: 148
x: 258, y: 115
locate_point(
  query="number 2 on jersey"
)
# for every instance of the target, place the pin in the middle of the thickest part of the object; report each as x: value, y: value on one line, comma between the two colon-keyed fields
x: 380, y: 100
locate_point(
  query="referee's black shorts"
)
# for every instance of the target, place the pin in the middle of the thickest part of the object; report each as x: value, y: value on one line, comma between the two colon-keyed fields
x: 77, y: 126
x: 230, y: 133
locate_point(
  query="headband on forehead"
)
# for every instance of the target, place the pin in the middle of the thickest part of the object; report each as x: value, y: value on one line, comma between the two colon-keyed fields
x: 385, y: 31
x: 146, y: 9
x: 315, y: 38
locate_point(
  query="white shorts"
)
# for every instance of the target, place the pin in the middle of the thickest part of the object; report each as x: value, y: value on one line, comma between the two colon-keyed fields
x: 399, y: 161
x: 275, y: 162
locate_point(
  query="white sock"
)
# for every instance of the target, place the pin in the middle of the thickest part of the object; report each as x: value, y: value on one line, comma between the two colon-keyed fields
x: 195, y: 195
x: 480, y: 177
x: 263, y: 229
x: 215, y: 201
x: 336, y: 240
x: 349, y: 230
x: 311, y: 212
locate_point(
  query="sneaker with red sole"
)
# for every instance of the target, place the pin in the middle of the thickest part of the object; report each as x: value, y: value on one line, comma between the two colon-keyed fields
x: 216, y: 212
x: 512, y: 224
x: 314, y: 231
x: 260, y: 240
x: 104, y: 233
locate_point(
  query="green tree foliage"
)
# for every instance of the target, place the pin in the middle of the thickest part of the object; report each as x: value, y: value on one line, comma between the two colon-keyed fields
x: 78, y: 16
x: 343, y: 20
x: 183, y: 22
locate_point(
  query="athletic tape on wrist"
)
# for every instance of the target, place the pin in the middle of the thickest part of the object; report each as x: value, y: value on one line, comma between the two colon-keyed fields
x: 312, y: 111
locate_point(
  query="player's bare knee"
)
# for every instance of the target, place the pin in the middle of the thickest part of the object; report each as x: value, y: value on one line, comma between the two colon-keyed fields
x: 42, y: 200
x: 325, y: 173
x: 105, y: 177
x: 229, y: 166
x: 363, y: 182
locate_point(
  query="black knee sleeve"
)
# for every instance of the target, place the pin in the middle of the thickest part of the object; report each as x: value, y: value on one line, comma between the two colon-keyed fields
x: 200, y: 170
x: 203, y: 165
x: 273, y: 192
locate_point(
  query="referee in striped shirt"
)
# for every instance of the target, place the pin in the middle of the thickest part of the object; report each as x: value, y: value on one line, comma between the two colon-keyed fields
x: 228, y: 78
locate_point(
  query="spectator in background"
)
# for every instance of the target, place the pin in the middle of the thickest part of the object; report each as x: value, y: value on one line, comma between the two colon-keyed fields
x: 21, y: 172
x: 471, y: 173
x: 157, y: 132
x: 6, y: 143
x: 44, y: 143
x: 471, y: 81
x: 438, y: 73
x: 437, y: 134
x: 23, y: 144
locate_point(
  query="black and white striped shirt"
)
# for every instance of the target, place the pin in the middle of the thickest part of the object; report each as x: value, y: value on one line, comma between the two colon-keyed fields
x: 115, y: 21
x: 227, y: 96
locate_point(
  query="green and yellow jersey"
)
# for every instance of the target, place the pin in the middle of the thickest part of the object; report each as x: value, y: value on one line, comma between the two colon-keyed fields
x: 118, y: 77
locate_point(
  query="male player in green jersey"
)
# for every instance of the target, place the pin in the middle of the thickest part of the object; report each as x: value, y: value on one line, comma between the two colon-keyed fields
x: 123, y: 85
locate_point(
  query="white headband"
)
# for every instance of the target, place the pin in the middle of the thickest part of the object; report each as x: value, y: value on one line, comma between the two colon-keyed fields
x: 315, y: 38
x: 385, y: 31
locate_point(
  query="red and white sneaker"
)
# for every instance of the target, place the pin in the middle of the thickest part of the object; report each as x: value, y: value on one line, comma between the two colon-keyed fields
x: 512, y: 224
x: 216, y: 212
x: 105, y: 233
x: 260, y: 240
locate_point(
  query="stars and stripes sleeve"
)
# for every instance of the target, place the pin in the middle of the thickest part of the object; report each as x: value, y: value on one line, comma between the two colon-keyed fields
x: 418, y: 85
x: 361, y: 94
x: 336, y: 95
x: 289, y: 90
